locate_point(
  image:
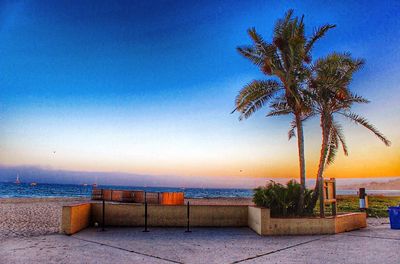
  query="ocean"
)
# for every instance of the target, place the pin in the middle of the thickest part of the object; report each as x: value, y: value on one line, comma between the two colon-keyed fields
x: 12, y: 190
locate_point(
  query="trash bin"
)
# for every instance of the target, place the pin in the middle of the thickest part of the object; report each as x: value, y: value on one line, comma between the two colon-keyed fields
x: 394, y: 215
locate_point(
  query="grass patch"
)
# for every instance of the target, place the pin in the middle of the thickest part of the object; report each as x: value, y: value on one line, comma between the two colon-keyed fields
x: 378, y: 205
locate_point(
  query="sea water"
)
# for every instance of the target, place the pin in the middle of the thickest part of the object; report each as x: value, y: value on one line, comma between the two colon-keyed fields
x: 11, y: 190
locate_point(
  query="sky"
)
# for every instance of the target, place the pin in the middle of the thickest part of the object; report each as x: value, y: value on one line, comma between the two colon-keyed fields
x: 147, y: 88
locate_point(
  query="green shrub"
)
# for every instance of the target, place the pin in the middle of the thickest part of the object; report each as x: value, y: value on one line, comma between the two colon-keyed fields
x: 280, y: 199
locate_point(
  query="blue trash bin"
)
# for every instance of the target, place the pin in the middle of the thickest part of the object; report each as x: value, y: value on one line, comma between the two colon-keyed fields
x: 394, y: 215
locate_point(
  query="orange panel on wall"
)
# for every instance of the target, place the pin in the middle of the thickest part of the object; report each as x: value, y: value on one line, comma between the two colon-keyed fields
x: 172, y: 198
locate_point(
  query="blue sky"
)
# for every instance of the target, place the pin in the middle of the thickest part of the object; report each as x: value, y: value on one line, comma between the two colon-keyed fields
x: 147, y: 86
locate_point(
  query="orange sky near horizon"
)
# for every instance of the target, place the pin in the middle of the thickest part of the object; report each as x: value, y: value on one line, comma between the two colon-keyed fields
x: 218, y: 157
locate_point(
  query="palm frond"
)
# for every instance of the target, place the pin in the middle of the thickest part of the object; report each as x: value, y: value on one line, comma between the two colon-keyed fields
x: 354, y: 98
x: 281, y: 24
x: 332, y: 150
x: 262, y: 54
x: 279, y: 112
x: 252, y: 54
x: 258, y: 40
x: 279, y: 107
x: 292, y: 130
x: 254, y: 96
x: 364, y: 122
x: 337, y: 131
x: 318, y: 34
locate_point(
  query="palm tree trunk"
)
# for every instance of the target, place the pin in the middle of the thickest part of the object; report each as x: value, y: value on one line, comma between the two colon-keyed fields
x: 302, y: 165
x: 319, y: 185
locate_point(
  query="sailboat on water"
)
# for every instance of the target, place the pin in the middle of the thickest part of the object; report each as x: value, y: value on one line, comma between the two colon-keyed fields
x: 17, y: 181
x: 94, y: 185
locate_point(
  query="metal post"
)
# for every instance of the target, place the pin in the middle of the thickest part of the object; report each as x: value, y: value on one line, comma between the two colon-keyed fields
x: 158, y: 197
x: 334, y: 205
x: 188, y: 218
x: 103, y: 211
x: 362, y: 196
x: 145, y: 217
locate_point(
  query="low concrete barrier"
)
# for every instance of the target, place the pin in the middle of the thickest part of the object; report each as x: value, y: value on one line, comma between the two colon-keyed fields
x: 75, y: 218
x: 349, y: 222
x: 170, y: 215
x: 258, y: 219
x: 300, y: 226
x: 262, y: 223
x: 78, y: 217
x: 218, y: 215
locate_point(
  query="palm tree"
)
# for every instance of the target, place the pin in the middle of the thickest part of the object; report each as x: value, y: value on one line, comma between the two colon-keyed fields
x: 287, y: 59
x: 329, y: 90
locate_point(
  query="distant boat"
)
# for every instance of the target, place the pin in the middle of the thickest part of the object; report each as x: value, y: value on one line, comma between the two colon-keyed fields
x: 17, y: 181
x: 94, y: 185
x: 33, y: 183
x: 85, y: 184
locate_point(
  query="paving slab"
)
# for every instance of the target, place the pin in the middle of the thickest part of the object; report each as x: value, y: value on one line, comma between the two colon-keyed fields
x: 64, y: 249
x: 375, y: 244
x: 202, y: 245
x: 370, y: 245
x: 378, y: 231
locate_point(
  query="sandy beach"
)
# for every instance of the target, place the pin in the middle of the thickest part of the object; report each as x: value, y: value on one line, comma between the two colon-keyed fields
x: 25, y: 217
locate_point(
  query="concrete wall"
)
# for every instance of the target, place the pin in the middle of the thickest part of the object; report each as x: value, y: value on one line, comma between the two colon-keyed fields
x: 260, y: 221
x: 78, y: 217
x: 300, y: 226
x: 219, y: 215
x: 118, y: 214
x: 75, y: 218
x: 349, y: 222
x: 170, y: 215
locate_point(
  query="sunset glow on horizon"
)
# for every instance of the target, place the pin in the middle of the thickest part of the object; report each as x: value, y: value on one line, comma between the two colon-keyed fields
x: 148, y: 88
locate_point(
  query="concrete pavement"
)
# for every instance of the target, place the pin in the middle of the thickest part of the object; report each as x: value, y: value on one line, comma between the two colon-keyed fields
x: 375, y: 244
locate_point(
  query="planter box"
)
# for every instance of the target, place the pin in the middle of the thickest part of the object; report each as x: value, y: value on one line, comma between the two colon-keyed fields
x: 262, y: 223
